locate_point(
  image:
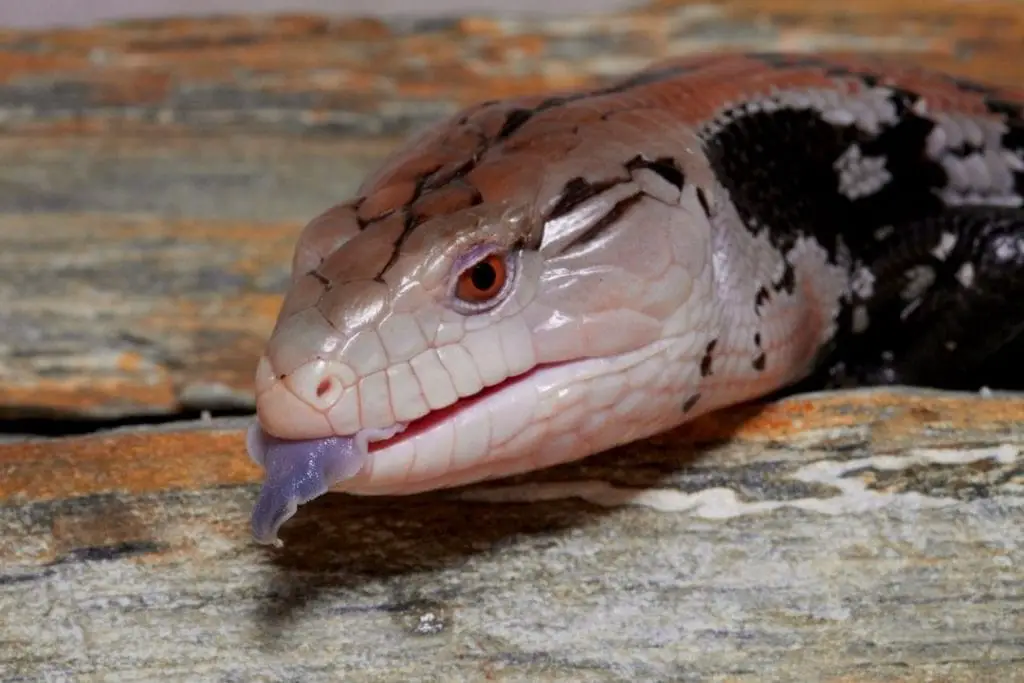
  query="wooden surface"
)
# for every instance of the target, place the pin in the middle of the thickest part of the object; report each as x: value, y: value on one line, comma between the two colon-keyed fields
x: 155, y: 176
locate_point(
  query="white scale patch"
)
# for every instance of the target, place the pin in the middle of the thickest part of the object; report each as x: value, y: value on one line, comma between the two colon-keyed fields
x: 830, y: 284
x: 986, y: 175
x: 945, y: 246
x: 884, y: 232
x: 860, y: 321
x: 860, y: 176
x: 1009, y: 248
x: 868, y: 110
x: 965, y: 275
x: 919, y: 279
x: 863, y: 283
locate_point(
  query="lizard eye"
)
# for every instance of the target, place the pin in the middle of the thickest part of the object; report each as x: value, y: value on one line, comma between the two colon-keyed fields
x: 484, y: 281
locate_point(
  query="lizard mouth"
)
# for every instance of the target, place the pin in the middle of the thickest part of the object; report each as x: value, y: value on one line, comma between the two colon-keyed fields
x: 298, y: 471
x: 433, y: 418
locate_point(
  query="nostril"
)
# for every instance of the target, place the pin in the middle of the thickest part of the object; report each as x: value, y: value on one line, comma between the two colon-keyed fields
x: 327, y: 391
x: 325, y: 387
x: 321, y: 383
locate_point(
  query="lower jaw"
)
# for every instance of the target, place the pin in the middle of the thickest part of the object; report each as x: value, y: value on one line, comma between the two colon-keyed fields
x: 389, y: 465
x: 297, y: 470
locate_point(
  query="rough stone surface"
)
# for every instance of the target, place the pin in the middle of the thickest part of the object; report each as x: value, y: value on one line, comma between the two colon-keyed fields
x: 155, y: 176
x: 864, y: 536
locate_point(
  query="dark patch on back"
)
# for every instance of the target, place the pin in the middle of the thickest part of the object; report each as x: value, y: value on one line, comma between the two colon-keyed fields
x: 759, y: 362
x: 906, y: 341
x: 779, y: 170
x: 689, y: 403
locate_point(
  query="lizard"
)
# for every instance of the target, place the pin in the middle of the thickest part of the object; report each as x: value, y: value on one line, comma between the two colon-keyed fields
x: 537, y: 279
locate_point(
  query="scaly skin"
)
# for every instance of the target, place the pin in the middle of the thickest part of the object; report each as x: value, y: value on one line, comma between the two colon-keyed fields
x: 654, y: 274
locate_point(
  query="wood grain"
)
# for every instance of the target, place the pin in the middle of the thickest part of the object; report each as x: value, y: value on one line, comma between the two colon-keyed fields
x: 863, y: 536
x: 157, y: 172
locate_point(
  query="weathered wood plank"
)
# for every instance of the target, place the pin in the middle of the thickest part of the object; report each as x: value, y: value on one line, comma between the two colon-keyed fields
x: 156, y: 173
x: 870, y: 536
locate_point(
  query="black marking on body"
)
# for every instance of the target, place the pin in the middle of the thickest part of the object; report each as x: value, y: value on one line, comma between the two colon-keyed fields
x: 430, y: 179
x: 760, y: 299
x: 702, y: 198
x: 689, y: 403
x: 787, y: 281
x: 1013, y: 138
x: 778, y: 167
x: 441, y: 177
x: 707, y: 359
x: 760, y: 360
x: 577, y: 191
x: 513, y: 121
x: 411, y: 221
x: 355, y: 204
x: 666, y: 167
x: 315, y: 274
x: 944, y: 304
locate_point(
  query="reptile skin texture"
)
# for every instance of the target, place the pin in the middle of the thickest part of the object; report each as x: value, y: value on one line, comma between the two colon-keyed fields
x: 536, y: 280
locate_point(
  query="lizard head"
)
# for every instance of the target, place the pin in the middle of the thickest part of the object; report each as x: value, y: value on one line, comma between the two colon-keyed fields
x: 467, y: 316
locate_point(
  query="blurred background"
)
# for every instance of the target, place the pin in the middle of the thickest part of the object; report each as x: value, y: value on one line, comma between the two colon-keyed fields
x: 53, y: 13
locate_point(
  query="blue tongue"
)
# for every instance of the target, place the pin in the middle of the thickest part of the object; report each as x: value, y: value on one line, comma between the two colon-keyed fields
x: 296, y: 472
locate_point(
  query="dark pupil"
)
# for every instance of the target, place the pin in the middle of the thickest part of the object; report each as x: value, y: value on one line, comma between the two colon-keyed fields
x: 483, y: 276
